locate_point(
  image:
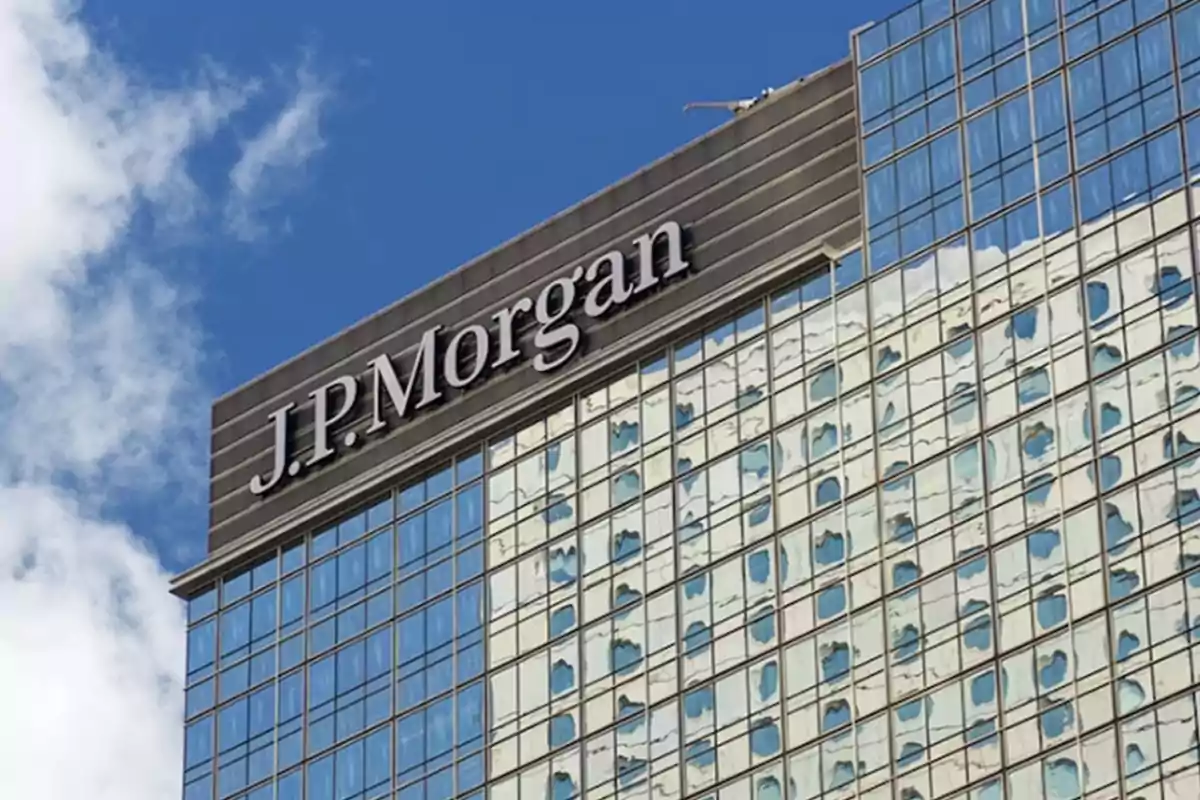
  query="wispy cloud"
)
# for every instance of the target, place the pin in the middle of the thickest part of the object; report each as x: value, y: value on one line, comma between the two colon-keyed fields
x: 98, y: 399
x: 274, y: 157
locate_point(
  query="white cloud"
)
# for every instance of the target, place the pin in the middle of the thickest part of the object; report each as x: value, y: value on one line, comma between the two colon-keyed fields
x: 98, y: 400
x: 274, y: 156
x: 90, y: 677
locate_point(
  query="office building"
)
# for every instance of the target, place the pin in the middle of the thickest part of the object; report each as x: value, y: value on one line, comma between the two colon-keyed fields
x: 850, y: 451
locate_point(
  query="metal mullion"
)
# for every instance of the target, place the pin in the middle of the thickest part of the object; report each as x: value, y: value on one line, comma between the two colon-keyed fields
x: 1063, y: 67
x: 1154, y: 243
x: 742, y: 549
x: 302, y: 767
x: 1046, y: 297
x: 1097, y: 499
x: 485, y: 594
x: 1181, y: 122
x: 776, y: 545
x: 216, y: 715
x: 920, y: 588
x: 869, y: 281
x: 844, y: 503
x: 639, y: 406
x: 580, y: 622
x: 979, y: 437
x: 454, y: 627
x: 278, y: 550
x: 1181, y: 132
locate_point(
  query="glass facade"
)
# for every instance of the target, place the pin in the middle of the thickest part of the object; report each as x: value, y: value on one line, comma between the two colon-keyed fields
x: 316, y: 664
x: 1028, y: 170
x: 925, y: 524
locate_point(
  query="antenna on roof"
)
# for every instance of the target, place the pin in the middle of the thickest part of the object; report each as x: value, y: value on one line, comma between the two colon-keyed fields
x: 734, y: 106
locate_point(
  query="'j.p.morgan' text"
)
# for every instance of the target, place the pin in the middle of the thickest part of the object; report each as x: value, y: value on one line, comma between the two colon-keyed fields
x: 606, y: 285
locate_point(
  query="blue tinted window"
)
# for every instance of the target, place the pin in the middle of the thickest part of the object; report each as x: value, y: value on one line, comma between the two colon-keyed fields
x: 469, y: 467
x: 758, y: 566
x: 470, y: 510
x: 411, y: 497
x: 351, y: 667
x: 202, y: 605
x: 836, y: 714
x: 411, y: 543
x: 439, y: 624
x: 562, y: 729
x: 824, y: 385
x: 202, y: 646
x: 291, y: 697
x: 291, y: 787
x: 1122, y: 93
x: 323, y: 542
x: 439, y: 530
x: 380, y: 513
x: 1033, y: 385
x: 626, y: 487
x: 470, y: 608
x: 1105, y: 357
x: 235, y: 630
x: 439, y: 730
x: 201, y: 789
x: 562, y: 620
x: 698, y: 702
x: 235, y: 587
x: 320, y: 779
x: 1187, y: 33
x: 470, y: 716
x: 410, y: 742
x: 377, y: 773
x: 831, y: 601
x: 232, y: 725
x: 1053, y: 670
x: 829, y: 549
x: 875, y: 90
x: 848, y: 271
x: 828, y: 491
x: 351, y: 528
x: 626, y: 655
x: 348, y: 768
x: 912, y: 202
x: 293, y: 557
x: 905, y: 573
x: 881, y: 194
x: 200, y: 697
x: 352, y: 571
x: 323, y: 589
x: 379, y: 558
x: 262, y: 616
x: 835, y: 662
x: 765, y: 740
x: 198, y: 742
x: 262, y: 711
x: 983, y: 689
x: 291, y: 602
x: 816, y: 286
x: 439, y: 483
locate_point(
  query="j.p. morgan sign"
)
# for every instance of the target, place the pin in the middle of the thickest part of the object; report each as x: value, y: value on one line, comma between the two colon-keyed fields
x: 607, y: 285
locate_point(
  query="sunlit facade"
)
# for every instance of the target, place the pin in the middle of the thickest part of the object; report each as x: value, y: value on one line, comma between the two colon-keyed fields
x: 922, y: 522
x: 1028, y: 225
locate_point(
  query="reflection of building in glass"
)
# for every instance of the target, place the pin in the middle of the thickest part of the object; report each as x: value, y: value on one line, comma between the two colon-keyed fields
x: 904, y: 505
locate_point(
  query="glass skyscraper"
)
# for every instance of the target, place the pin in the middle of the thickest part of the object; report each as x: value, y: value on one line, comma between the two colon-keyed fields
x: 914, y: 514
x: 1028, y: 224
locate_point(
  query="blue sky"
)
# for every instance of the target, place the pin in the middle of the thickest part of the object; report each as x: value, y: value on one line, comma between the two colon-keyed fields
x: 452, y: 127
x: 449, y: 128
